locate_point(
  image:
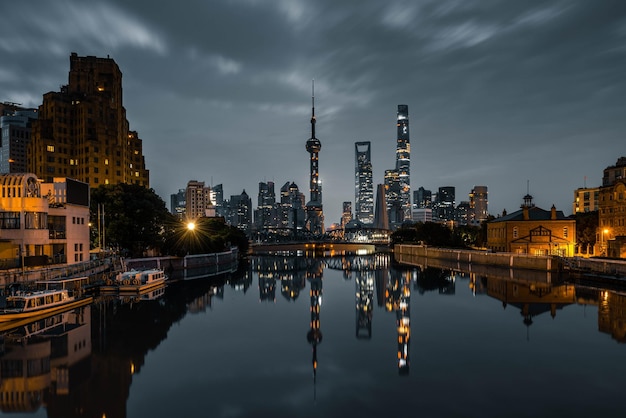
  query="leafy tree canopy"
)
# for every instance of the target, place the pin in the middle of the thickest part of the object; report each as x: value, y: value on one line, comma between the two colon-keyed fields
x: 133, y: 218
x: 431, y: 233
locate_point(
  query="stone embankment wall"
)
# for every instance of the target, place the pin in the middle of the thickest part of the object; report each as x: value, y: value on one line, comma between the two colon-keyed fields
x: 409, y: 254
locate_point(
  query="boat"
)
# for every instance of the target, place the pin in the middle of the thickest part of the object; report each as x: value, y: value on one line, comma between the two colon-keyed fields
x: 56, y: 296
x: 135, y: 281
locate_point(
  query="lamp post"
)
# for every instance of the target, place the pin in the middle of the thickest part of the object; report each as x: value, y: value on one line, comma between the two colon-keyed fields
x: 605, y: 231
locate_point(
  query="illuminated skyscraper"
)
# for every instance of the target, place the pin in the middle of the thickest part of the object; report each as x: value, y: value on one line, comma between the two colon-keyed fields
x: 392, y: 198
x: 314, y: 212
x: 403, y: 161
x: 82, y: 131
x: 364, y: 193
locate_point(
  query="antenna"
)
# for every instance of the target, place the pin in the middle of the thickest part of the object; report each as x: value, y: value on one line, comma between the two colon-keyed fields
x: 527, y: 186
x: 313, y: 96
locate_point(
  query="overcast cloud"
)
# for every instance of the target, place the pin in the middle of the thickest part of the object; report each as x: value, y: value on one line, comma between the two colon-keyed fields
x: 500, y: 93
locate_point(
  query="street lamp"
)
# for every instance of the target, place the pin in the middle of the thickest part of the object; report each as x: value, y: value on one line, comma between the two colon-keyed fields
x: 605, y: 231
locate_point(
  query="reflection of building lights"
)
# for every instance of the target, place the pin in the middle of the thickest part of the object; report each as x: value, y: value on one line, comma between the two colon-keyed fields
x: 132, y: 368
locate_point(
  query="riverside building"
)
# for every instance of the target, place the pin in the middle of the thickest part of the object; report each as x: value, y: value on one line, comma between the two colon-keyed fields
x: 82, y: 131
x: 43, y: 223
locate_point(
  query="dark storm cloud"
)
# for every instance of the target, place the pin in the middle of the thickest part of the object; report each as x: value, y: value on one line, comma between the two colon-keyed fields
x: 499, y: 92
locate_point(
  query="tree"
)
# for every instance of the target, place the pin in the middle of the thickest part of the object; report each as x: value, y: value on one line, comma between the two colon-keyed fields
x: 586, y: 227
x: 431, y: 233
x: 135, y: 218
x: 209, y: 235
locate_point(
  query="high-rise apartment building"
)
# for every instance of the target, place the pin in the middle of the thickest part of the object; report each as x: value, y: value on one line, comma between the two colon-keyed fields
x: 15, y: 130
x: 585, y: 199
x: 198, y: 201
x: 403, y: 161
x: 364, y: 186
x: 314, y: 210
x: 478, y: 205
x: 82, y: 131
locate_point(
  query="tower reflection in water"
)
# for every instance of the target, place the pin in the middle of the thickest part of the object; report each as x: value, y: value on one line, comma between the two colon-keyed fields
x: 397, y: 299
x: 314, y: 273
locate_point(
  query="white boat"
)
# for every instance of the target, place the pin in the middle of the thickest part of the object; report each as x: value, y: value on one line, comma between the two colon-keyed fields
x: 57, y: 296
x: 135, y: 281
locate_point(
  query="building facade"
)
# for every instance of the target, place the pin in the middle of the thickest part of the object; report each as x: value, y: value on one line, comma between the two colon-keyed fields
x: 198, y: 202
x: 15, y: 129
x: 82, y: 131
x: 364, y: 186
x: 43, y: 223
x: 586, y: 200
x: 612, y: 210
x: 479, y: 205
x: 534, y: 231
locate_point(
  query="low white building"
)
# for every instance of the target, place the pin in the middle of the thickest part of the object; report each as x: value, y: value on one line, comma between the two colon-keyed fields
x: 43, y: 223
x: 422, y: 215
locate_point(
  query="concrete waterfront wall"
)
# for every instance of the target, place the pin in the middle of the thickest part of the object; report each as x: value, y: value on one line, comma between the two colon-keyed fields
x: 188, y: 267
x: 406, y: 254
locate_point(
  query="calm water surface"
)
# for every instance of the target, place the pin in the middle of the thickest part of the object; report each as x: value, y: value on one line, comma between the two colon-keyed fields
x: 301, y: 337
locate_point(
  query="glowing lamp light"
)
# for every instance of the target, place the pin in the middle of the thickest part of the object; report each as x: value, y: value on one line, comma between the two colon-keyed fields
x: 191, y: 226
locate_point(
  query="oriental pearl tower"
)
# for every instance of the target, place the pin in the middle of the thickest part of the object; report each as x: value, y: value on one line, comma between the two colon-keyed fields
x: 314, y: 213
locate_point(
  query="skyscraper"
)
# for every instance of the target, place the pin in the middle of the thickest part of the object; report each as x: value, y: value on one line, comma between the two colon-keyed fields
x: 478, y: 204
x: 392, y: 198
x: 314, y: 212
x: 198, y: 200
x: 364, y: 187
x: 82, y: 131
x: 403, y: 161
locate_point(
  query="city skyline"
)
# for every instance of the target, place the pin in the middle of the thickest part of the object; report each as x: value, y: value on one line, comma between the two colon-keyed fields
x: 507, y: 96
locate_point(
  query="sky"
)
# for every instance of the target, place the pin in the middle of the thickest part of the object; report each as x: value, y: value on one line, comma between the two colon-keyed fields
x: 518, y: 96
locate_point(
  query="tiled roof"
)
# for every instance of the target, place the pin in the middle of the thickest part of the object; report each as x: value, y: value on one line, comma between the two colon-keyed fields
x: 534, y: 214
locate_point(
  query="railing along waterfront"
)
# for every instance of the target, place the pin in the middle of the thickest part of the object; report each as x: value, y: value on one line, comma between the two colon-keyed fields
x: 407, y: 254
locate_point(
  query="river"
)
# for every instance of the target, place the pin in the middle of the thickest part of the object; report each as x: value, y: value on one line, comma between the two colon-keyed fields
x: 327, y: 337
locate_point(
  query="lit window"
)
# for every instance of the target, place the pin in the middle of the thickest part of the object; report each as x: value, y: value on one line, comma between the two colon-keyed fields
x: 50, y: 148
x: 565, y: 232
x: 515, y: 233
x: 136, y: 173
x: 106, y: 161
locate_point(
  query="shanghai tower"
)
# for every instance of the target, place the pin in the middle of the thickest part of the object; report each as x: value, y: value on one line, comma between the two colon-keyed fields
x: 403, y: 161
x: 314, y: 213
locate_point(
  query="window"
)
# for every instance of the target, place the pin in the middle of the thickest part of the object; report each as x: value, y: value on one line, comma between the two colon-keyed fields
x: 9, y: 220
x: 515, y: 232
x: 50, y: 148
x: 35, y: 220
x: 565, y: 232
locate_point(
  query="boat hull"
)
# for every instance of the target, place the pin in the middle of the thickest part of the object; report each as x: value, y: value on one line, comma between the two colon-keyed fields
x: 15, y: 319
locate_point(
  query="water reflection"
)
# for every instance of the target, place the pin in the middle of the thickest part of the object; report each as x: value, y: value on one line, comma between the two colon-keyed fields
x: 66, y: 362
x: 43, y: 361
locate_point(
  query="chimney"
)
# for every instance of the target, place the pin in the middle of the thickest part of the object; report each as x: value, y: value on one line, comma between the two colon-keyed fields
x: 525, y: 212
x: 553, y: 213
